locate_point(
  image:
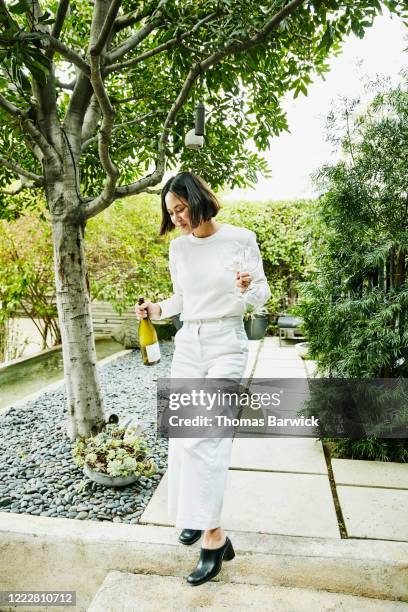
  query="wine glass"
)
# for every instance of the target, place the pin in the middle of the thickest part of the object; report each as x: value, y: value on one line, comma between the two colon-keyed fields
x: 239, y: 258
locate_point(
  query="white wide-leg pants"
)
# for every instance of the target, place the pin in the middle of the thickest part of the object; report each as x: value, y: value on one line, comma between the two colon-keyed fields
x: 198, y: 467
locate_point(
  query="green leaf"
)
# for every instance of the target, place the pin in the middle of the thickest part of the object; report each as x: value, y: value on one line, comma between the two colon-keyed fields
x: 20, y: 7
x: 45, y: 19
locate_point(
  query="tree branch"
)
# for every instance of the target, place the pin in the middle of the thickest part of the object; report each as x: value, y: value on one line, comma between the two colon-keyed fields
x: 98, y: 204
x: 23, y: 185
x: 62, y: 85
x: 82, y: 94
x: 167, y: 45
x: 259, y: 37
x: 93, y: 111
x: 193, y: 50
x: 46, y: 148
x: 59, y: 22
x: 96, y: 49
x: 124, y: 100
x: 70, y: 55
x: 45, y: 93
x: 131, y: 18
x: 91, y: 120
x: 20, y: 171
x: 133, y: 41
x: 95, y: 206
x: 108, y: 114
x: 153, y: 191
x: 10, y: 107
x: 137, y: 120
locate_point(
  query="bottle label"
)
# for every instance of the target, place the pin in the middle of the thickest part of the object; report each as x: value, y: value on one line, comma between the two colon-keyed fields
x: 153, y: 352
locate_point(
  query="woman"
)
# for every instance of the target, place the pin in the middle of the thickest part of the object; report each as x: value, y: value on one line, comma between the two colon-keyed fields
x: 212, y: 343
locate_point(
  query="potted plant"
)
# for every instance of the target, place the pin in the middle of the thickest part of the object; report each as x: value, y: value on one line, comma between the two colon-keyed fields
x: 175, y: 319
x: 256, y: 322
x: 116, y: 457
x: 303, y: 349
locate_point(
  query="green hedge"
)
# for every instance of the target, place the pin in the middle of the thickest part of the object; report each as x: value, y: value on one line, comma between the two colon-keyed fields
x: 127, y: 258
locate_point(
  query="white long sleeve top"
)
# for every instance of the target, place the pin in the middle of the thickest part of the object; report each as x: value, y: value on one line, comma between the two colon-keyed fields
x: 203, y: 287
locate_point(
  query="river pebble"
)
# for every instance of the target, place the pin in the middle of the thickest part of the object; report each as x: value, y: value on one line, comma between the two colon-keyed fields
x: 37, y: 473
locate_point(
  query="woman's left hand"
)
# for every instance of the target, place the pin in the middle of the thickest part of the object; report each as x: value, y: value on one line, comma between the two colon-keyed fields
x: 243, y: 280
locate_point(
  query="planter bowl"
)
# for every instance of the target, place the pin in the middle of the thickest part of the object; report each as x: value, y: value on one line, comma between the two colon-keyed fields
x: 176, y: 322
x: 110, y: 481
x: 255, y: 327
x: 303, y: 349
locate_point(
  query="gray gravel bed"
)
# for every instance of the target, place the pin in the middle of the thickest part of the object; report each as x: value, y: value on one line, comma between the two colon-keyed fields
x: 37, y: 473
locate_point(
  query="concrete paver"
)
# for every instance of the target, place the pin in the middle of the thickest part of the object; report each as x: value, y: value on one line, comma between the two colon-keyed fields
x: 253, y: 349
x: 279, y: 455
x: 371, y: 512
x: 311, y: 368
x: 273, y: 362
x: 280, y: 485
x: 370, y: 473
x: 278, y: 370
x: 268, y: 502
x: 279, y: 503
x: 282, y: 354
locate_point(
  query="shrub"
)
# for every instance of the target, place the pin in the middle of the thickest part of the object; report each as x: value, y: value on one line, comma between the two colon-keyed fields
x: 355, y: 304
x: 27, y: 274
x: 127, y: 258
x: 281, y: 228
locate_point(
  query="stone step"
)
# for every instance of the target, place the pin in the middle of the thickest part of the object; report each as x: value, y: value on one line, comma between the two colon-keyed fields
x: 148, y: 593
x: 79, y: 554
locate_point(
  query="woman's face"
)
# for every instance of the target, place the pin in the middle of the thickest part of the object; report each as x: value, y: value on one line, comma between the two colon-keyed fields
x: 179, y: 214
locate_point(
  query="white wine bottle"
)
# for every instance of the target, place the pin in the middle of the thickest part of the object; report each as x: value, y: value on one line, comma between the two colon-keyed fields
x: 149, y: 345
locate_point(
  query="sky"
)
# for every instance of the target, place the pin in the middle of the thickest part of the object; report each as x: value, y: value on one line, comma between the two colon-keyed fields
x: 294, y: 156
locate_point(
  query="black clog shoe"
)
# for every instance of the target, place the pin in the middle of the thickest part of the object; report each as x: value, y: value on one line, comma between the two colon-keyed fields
x: 210, y: 563
x: 189, y: 536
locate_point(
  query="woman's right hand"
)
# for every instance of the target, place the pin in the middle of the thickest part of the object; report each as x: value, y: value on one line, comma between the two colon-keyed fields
x: 153, y: 310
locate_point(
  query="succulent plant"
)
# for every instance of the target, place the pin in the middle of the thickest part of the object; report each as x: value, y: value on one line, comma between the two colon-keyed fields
x: 116, y: 451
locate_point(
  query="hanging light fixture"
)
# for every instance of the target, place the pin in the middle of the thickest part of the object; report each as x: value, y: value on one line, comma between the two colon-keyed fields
x: 194, y: 138
x: 200, y: 119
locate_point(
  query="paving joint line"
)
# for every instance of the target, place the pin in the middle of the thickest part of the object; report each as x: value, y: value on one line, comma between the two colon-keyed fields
x: 364, y: 486
x: 245, y: 387
x: 249, y: 469
x: 337, y: 507
x: 339, y: 514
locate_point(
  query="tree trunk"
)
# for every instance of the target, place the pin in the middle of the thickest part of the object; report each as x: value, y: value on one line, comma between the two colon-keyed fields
x: 85, y: 410
x: 3, y: 339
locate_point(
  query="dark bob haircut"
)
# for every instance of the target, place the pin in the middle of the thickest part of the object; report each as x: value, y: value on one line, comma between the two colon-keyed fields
x: 202, y: 203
